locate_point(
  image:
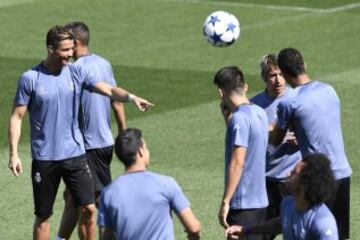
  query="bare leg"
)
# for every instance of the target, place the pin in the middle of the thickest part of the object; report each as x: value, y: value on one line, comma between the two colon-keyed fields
x: 41, y: 229
x: 69, y: 218
x: 87, y: 225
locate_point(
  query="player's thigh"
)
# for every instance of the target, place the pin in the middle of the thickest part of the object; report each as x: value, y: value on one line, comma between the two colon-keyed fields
x: 247, y: 217
x: 46, y: 176
x: 99, y: 161
x: 339, y: 204
x: 78, y: 180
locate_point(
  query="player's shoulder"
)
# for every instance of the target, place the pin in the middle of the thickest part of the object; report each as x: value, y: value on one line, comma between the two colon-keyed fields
x: 31, y: 74
x: 258, y: 98
x: 163, y: 181
x: 324, y: 223
x: 324, y: 213
x: 160, y: 177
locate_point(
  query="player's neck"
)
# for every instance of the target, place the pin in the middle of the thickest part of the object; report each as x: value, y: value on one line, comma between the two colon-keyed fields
x: 51, y: 66
x: 137, y: 167
x: 82, y: 51
x: 302, y: 79
x: 237, y: 100
x: 301, y: 204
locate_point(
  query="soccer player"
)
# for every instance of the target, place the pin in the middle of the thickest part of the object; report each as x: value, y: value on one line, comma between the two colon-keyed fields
x: 244, y: 200
x: 314, y: 113
x: 280, y: 159
x: 96, y: 124
x: 51, y: 92
x: 304, y: 215
x: 138, y: 204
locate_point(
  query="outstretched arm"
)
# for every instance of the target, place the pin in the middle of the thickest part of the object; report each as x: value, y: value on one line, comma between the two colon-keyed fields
x: 191, y: 223
x: 14, y: 132
x: 119, y: 113
x: 121, y: 95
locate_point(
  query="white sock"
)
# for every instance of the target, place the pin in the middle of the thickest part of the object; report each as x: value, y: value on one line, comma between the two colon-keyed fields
x: 59, y: 238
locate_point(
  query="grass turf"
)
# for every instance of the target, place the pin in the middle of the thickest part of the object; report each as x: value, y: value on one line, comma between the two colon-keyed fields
x: 158, y: 51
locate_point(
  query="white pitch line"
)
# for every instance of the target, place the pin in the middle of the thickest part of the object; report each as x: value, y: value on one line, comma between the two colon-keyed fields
x: 271, y: 7
x: 342, y: 8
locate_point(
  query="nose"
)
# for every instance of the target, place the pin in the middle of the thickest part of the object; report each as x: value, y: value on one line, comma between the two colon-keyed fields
x: 277, y: 78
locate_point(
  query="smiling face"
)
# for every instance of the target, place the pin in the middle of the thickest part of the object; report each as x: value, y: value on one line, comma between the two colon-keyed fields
x: 275, y: 82
x: 63, y: 52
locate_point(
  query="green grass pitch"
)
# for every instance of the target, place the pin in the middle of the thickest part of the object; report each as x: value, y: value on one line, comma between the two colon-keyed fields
x: 157, y: 51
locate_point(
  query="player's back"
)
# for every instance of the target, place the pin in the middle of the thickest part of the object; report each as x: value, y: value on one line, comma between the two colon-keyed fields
x: 96, y: 108
x: 248, y: 128
x: 139, y: 205
x: 317, y: 122
x: 315, y: 223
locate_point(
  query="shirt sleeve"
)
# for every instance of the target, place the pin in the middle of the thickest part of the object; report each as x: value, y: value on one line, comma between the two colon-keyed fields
x: 284, y: 114
x: 239, y: 129
x: 112, y: 80
x: 178, y: 200
x: 103, y: 215
x: 24, y: 90
x: 85, y: 76
x: 324, y: 228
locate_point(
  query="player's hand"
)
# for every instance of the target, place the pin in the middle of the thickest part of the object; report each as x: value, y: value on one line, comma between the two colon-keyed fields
x: 225, y: 111
x: 223, y: 213
x: 291, y: 138
x: 142, y: 104
x: 193, y: 236
x: 234, y: 232
x: 15, y: 165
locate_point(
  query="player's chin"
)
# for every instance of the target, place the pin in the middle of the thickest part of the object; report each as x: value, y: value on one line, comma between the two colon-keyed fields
x: 279, y: 90
x: 65, y: 61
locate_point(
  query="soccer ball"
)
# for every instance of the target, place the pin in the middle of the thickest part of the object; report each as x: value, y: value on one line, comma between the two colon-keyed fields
x: 221, y: 29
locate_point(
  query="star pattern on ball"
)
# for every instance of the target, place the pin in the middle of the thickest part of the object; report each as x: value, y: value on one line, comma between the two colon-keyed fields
x: 231, y: 27
x: 216, y: 38
x: 213, y: 20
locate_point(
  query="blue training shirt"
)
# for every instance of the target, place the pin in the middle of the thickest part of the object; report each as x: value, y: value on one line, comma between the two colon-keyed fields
x: 280, y: 159
x: 248, y: 127
x: 316, y: 223
x: 315, y: 113
x: 53, y: 102
x: 95, y: 107
x: 138, y: 205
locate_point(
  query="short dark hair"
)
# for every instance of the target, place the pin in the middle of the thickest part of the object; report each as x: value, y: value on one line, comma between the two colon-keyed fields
x: 291, y: 62
x: 316, y: 178
x: 81, y: 31
x: 229, y: 78
x: 127, y: 144
x: 57, y: 34
x: 266, y: 63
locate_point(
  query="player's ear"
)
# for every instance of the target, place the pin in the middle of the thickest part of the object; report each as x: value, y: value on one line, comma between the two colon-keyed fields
x: 221, y: 93
x: 77, y: 42
x: 50, y: 49
x: 246, y: 88
x: 140, y: 151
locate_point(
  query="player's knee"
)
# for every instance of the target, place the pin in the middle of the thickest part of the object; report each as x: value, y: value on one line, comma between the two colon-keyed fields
x: 42, y: 221
x: 88, y: 211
